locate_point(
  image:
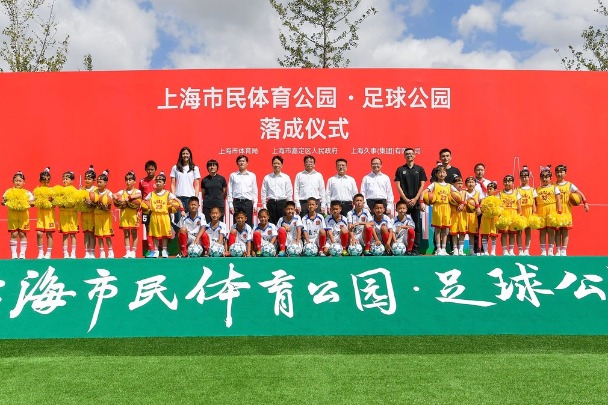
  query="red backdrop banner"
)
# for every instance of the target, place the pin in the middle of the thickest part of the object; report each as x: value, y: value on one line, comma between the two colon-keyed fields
x: 119, y: 120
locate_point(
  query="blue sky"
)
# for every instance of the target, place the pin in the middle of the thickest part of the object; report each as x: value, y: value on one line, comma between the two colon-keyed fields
x: 169, y: 34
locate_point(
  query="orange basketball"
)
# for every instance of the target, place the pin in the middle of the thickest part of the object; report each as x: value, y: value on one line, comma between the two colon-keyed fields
x: 145, y: 207
x: 135, y: 203
x: 173, y: 206
x: 575, y: 199
x: 456, y: 198
x: 428, y: 197
x: 118, y: 200
x: 471, y: 205
x: 94, y: 197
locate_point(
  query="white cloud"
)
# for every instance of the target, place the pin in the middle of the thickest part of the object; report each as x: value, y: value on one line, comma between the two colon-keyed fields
x: 478, y: 18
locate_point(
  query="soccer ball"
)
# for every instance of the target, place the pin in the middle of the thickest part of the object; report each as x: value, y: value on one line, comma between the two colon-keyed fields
x: 195, y: 250
x: 377, y: 250
x: 237, y: 249
x: 310, y: 249
x: 216, y: 250
x: 399, y: 248
x: 355, y: 250
x: 335, y: 249
x: 294, y: 250
x: 268, y: 250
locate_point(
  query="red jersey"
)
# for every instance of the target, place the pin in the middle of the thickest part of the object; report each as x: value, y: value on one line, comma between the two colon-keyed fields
x: 146, y: 186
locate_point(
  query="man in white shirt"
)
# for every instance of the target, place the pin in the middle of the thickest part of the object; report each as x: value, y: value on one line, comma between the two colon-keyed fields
x: 341, y: 187
x: 309, y: 183
x: 376, y: 187
x: 242, y: 190
x: 276, y: 190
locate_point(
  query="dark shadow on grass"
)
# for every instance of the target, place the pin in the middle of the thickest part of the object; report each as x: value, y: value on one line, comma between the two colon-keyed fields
x: 304, y: 345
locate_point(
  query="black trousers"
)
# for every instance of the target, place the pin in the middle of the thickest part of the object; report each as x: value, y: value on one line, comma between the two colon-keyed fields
x: 243, y: 205
x: 414, y: 212
x: 304, y: 206
x: 276, y: 209
x: 346, y: 207
x: 207, y: 213
x: 371, y: 203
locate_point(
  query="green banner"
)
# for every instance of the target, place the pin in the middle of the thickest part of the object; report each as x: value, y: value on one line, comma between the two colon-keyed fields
x: 303, y: 296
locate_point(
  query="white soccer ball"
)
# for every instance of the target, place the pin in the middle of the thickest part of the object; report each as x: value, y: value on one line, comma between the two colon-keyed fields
x: 377, y: 250
x: 216, y: 250
x: 355, y: 250
x: 399, y: 248
x: 294, y: 250
x: 195, y: 250
x: 237, y: 249
x: 310, y: 249
x: 269, y: 250
x: 335, y: 249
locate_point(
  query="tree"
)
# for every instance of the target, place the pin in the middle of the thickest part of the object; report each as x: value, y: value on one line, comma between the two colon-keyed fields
x: 594, y: 55
x: 30, y: 44
x: 319, y: 32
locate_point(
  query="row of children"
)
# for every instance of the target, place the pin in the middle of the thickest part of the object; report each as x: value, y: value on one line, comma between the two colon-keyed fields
x: 511, y: 212
x: 311, y: 235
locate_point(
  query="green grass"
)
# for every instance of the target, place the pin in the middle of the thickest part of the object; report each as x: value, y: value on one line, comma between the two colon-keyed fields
x: 431, y: 369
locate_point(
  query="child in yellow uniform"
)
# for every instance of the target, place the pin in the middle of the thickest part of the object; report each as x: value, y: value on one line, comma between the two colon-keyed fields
x: 87, y: 215
x: 68, y: 216
x: 45, y: 220
x: 566, y: 188
x: 509, y: 198
x: 487, y: 227
x: 527, y: 202
x: 18, y: 200
x: 472, y: 223
x: 548, y: 202
x: 104, y: 230
x: 458, y: 229
x: 129, y: 200
x: 160, y: 224
x: 442, y: 216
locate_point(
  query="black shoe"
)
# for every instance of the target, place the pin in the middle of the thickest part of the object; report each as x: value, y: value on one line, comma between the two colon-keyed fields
x: 414, y: 253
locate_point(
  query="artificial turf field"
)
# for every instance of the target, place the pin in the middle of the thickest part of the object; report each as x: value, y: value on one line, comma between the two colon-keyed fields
x: 353, y: 369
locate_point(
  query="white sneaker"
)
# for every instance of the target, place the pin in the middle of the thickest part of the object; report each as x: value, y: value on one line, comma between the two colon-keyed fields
x: 444, y: 252
x: 14, y: 256
x: 47, y: 255
x: 558, y: 252
x: 543, y: 253
x: 477, y: 254
x: 73, y: 255
x: 165, y: 255
x: 564, y: 253
x: 127, y: 256
x: 485, y: 254
x: 111, y: 254
x: 511, y: 252
x: 321, y: 254
x: 505, y: 253
x: 526, y: 252
x: 493, y: 254
x: 22, y: 255
x: 461, y: 252
x: 102, y: 254
x: 66, y: 255
x: 455, y: 252
x: 522, y: 253
x: 550, y: 253
x: 40, y: 255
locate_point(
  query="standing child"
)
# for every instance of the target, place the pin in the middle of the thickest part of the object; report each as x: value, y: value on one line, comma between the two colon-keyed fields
x: 128, y: 201
x: 548, y: 203
x: 441, y: 213
x: 104, y: 230
x: 45, y: 221
x: 472, y: 198
x: 566, y: 189
x: 290, y: 228
x: 315, y: 228
x: 383, y: 226
x: 190, y: 226
x: 458, y: 229
x: 18, y: 200
x: 359, y: 224
x: 487, y: 228
x: 527, y: 203
x: 265, y: 233
x: 146, y: 186
x: 338, y: 225
x: 241, y: 232
x: 213, y: 233
x: 87, y: 215
x: 404, y: 227
x: 509, y: 198
x: 68, y: 216
x: 157, y: 202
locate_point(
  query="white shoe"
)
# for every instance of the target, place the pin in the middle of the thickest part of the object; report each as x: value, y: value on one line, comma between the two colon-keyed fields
x: 444, y: 252
x: 127, y: 255
x: 564, y: 253
x: 73, y: 255
x: 165, y: 255
x: 40, y: 255
x: 558, y: 252
x: 493, y: 254
x: 485, y: 254
x: 527, y: 252
x: 550, y: 253
x: 477, y: 254
x: 455, y: 252
x: 505, y: 253
x: 47, y: 255
x: 14, y: 256
x: 111, y: 254
x: 461, y: 252
x: 522, y: 253
x: 22, y: 255
x: 543, y: 253
x: 102, y: 254
x: 66, y: 255
x: 511, y: 252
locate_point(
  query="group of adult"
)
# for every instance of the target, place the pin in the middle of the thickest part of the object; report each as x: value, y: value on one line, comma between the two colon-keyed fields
x: 241, y: 190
